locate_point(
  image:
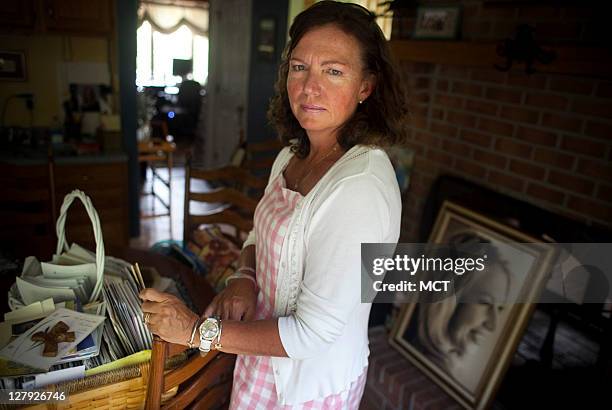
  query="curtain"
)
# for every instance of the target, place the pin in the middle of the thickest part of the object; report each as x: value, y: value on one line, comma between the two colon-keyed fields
x: 168, y: 18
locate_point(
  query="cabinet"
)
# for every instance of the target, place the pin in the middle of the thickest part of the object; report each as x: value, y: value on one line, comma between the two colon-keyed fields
x: 17, y: 14
x: 77, y: 16
x: 34, y: 193
x: 91, y: 17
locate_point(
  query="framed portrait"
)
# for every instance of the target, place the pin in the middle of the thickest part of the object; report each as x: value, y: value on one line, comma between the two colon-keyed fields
x: 13, y: 66
x: 437, y: 22
x: 465, y: 343
x: 266, y: 38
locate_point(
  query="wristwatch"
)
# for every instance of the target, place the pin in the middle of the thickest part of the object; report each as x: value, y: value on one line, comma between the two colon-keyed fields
x: 210, y: 329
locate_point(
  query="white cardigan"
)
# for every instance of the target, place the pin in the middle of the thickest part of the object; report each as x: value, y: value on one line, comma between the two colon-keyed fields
x: 322, y: 323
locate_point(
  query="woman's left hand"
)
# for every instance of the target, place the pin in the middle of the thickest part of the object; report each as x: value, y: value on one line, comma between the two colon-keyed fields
x: 169, y: 318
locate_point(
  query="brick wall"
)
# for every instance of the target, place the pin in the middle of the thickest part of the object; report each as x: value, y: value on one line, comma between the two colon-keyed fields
x: 543, y: 138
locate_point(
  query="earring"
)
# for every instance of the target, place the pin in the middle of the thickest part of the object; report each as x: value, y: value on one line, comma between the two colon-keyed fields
x: 360, y: 101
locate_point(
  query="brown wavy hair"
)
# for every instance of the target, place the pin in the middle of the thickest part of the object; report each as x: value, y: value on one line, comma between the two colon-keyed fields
x: 381, y: 119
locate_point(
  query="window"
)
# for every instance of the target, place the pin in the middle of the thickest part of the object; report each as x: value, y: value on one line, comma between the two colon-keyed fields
x: 156, y: 52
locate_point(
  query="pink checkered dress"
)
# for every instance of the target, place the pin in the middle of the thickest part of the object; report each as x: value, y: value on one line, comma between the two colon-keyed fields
x: 253, y: 386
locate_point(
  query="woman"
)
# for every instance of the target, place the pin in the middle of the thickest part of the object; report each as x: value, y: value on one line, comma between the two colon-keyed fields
x: 292, y: 312
x: 447, y: 332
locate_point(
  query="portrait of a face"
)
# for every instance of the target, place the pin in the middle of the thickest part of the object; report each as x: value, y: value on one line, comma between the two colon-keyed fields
x: 463, y: 341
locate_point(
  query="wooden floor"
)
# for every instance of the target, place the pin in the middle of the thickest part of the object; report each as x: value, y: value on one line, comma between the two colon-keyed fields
x: 161, y: 228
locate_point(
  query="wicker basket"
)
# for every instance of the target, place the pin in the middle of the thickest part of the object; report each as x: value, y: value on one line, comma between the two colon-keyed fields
x: 124, y: 388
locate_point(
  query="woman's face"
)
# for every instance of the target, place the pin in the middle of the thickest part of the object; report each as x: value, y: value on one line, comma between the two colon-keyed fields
x: 326, y: 80
x: 471, y: 321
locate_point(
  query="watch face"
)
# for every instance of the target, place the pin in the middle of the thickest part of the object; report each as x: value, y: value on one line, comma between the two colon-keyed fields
x: 209, y: 329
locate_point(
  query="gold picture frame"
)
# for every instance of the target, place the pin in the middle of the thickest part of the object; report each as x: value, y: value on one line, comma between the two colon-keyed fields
x: 467, y: 354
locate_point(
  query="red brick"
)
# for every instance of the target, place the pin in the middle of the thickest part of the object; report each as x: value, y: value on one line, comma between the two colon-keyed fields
x: 604, y: 192
x: 461, y: 87
x: 599, y: 129
x: 495, y: 127
x: 416, y: 68
x: 490, y: 159
x: 421, y: 83
x: 421, y: 97
x: 547, y: 101
x: 519, y: 78
x: 526, y: 169
x: 442, y: 85
x: 418, y: 121
x: 488, y: 75
x: 604, y: 89
x: 453, y: 71
x: 418, y: 149
x: 437, y: 114
x: 594, y: 107
x: 481, y: 107
x: 583, y: 146
x: 456, y: 148
x: 427, y: 139
x: 507, y: 146
x: 519, y: 114
x: 482, y: 140
x: 544, y: 193
x: 595, y: 169
x: 591, y: 208
x: 503, y: 94
x: 420, y: 110
x: 506, y: 181
x: 564, y: 122
x: 470, y: 168
x: 440, y: 157
x: 571, y: 182
x: 554, y: 158
x: 449, y: 100
x: 536, y: 136
x: 443, y: 129
x: 425, y: 166
x: 571, y: 85
x: 461, y: 119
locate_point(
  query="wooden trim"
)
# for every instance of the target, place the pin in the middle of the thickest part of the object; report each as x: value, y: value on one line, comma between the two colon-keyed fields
x: 225, y: 195
x: 571, y: 60
x: 238, y: 174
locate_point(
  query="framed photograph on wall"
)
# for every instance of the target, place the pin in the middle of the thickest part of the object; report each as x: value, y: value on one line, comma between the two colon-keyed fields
x: 437, y: 23
x: 13, y: 66
x: 266, y: 38
x: 464, y: 343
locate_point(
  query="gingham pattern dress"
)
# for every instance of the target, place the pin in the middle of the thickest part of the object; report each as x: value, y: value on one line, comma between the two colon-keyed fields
x: 253, y: 386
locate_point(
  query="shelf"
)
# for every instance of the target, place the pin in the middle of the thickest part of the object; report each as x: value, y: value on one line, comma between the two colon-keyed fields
x: 571, y: 60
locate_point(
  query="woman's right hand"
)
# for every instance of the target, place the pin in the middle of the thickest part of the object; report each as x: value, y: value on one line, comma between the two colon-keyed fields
x: 236, y: 302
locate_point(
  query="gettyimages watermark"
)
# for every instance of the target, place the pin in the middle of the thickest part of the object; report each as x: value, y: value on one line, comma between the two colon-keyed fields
x: 470, y: 271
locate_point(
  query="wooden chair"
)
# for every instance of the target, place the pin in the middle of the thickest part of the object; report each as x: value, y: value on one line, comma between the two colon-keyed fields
x: 205, y: 382
x: 232, y: 199
x: 260, y: 156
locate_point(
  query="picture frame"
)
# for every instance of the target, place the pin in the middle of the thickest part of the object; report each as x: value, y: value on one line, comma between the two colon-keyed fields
x: 437, y: 23
x: 13, y: 65
x: 466, y: 348
x: 266, y: 38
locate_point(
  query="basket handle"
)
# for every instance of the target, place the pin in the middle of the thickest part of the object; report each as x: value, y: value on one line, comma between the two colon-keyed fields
x: 62, y: 245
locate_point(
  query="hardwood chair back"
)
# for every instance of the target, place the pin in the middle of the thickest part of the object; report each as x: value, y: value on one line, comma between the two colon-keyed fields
x: 260, y: 156
x: 230, y: 199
